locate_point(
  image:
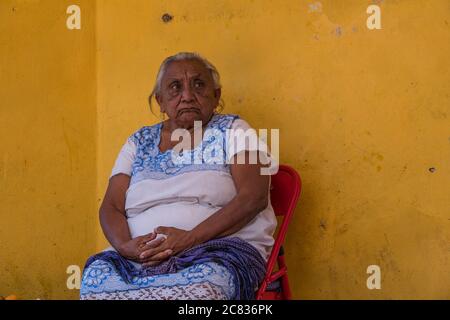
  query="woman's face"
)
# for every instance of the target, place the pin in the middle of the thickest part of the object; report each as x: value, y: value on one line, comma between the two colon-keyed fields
x: 187, y: 93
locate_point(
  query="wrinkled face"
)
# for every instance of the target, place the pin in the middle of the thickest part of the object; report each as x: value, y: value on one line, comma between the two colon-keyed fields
x: 187, y: 93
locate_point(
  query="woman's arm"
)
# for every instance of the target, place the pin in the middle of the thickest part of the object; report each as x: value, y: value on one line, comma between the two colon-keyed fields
x: 114, y: 222
x: 112, y: 211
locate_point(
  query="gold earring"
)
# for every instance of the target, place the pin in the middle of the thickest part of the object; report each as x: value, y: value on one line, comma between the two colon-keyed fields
x: 162, y: 115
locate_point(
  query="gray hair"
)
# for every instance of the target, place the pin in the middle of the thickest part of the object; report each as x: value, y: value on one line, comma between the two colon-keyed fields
x: 179, y: 57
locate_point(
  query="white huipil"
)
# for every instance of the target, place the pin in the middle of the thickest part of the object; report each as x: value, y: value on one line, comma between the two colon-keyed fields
x: 183, y: 197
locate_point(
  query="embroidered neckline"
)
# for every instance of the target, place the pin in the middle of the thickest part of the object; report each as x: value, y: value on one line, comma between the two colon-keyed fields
x: 151, y: 163
x: 159, y: 133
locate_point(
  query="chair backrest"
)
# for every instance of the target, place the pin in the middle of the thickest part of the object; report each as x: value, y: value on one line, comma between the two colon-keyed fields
x: 285, y: 188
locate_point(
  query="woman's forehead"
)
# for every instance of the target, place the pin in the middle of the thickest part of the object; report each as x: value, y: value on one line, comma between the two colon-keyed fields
x: 183, y: 68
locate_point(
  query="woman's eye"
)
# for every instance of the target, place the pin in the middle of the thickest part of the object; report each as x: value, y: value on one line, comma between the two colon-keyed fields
x: 198, y: 84
x: 174, y: 86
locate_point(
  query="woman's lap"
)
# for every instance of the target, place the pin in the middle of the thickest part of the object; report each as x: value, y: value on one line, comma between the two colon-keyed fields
x: 203, y: 281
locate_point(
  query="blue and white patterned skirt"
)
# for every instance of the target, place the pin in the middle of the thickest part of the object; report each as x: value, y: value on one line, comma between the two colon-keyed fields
x: 201, y: 281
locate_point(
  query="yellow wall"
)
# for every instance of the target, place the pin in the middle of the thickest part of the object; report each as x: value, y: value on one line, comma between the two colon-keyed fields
x: 362, y: 114
x: 48, y: 139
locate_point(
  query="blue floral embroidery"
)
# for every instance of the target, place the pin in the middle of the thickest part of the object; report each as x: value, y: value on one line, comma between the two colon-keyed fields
x: 96, y: 274
x: 198, y: 271
x: 210, y: 272
x: 144, y: 281
x: 150, y: 163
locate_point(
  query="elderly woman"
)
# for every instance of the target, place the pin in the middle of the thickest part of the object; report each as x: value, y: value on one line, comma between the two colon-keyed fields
x: 196, y: 228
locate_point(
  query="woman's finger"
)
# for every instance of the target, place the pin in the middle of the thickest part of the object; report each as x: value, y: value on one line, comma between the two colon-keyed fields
x: 157, y: 258
x: 152, y: 244
x: 145, y: 239
x: 160, y: 256
x: 152, y: 251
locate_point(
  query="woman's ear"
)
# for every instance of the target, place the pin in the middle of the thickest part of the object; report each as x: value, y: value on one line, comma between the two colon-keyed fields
x: 159, y: 100
x: 218, y: 93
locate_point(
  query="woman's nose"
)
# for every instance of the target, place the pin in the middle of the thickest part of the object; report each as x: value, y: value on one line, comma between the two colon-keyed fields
x: 187, y: 94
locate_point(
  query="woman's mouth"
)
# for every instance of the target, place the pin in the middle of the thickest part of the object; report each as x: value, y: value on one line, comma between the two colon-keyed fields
x: 188, y: 110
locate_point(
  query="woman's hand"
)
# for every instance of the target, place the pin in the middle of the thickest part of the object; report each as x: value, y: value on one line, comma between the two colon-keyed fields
x: 133, y: 248
x: 177, y: 240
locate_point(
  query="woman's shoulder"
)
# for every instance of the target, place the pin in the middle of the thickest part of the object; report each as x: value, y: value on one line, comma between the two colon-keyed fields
x: 234, y: 121
x: 229, y: 121
x: 146, y: 133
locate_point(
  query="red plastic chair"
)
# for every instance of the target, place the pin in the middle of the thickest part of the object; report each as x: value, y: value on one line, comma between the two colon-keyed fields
x: 285, y: 190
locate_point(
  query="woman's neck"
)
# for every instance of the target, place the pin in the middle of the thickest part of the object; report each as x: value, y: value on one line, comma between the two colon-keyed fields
x: 170, y: 126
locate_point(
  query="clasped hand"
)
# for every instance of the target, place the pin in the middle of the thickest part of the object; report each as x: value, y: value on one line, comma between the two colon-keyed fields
x: 148, y: 251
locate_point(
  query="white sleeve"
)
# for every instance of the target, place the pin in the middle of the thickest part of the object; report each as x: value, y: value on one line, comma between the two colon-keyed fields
x: 242, y: 137
x: 125, y: 159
